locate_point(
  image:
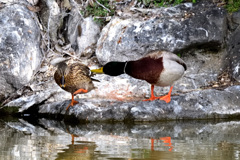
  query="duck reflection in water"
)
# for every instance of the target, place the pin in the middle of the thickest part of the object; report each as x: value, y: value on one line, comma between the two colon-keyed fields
x: 83, y: 149
x: 166, y: 141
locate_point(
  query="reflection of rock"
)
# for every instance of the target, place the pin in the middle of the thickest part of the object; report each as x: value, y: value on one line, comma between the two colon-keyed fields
x: 20, y: 54
x: 52, y: 138
x: 201, y: 130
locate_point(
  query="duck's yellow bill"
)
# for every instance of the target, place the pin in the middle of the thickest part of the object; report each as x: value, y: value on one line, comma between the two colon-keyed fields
x: 99, y: 70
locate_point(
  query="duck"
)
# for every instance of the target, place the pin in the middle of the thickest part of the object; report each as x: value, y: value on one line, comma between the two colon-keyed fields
x: 158, y: 68
x: 75, y: 78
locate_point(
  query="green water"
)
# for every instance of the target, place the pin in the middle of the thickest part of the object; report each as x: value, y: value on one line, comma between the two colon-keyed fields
x: 49, y: 139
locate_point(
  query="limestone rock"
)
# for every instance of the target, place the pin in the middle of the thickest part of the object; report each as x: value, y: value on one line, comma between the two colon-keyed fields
x: 234, y: 48
x: 20, y: 54
x: 50, y: 17
x: 73, y: 22
x: 202, y: 104
x: 175, y: 29
x: 88, y: 38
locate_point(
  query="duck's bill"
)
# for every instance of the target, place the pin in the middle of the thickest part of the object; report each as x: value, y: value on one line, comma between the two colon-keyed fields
x: 98, y: 71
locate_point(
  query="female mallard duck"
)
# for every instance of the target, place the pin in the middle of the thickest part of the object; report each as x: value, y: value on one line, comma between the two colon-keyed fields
x: 160, y: 68
x: 74, y: 79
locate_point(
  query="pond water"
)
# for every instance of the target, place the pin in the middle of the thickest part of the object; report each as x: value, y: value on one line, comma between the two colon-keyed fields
x: 181, y: 140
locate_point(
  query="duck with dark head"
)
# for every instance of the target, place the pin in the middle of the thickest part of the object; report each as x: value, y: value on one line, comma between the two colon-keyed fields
x: 159, y: 68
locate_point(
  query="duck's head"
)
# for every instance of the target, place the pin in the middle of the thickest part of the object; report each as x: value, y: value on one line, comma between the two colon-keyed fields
x: 62, y: 71
x: 111, y: 68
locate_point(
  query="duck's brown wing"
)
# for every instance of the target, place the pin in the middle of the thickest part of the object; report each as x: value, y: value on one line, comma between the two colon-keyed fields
x: 146, y: 68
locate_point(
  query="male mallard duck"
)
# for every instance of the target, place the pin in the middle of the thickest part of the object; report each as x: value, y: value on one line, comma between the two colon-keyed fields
x: 160, y: 68
x: 74, y: 79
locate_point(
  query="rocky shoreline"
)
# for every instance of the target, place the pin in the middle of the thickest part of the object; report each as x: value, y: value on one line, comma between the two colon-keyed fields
x: 203, y: 34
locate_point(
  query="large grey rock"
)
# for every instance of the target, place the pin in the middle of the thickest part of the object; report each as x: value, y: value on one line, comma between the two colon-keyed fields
x: 6, y: 89
x: 50, y: 17
x: 233, y: 47
x: 202, y: 104
x: 234, y: 20
x: 234, y: 52
x: 175, y: 29
x: 20, y: 55
x: 88, y: 38
x: 73, y: 22
x: 236, y: 17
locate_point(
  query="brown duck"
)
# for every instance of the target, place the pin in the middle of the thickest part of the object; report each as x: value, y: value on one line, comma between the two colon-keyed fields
x: 160, y: 68
x: 74, y: 78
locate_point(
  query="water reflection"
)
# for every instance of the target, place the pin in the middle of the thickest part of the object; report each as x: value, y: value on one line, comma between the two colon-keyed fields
x: 51, y: 139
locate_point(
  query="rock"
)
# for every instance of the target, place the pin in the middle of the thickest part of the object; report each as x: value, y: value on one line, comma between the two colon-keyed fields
x: 236, y: 17
x: 88, y: 38
x: 20, y: 54
x: 33, y: 2
x: 174, y: 29
x: 6, y: 89
x: 73, y: 23
x: 50, y: 17
x: 42, y: 93
x: 202, y: 104
x: 233, y: 49
x: 29, y: 101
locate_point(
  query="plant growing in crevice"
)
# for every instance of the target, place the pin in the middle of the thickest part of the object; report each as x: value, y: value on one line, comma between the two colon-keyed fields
x: 163, y: 3
x: 233, y: 5
x: 100, y: 10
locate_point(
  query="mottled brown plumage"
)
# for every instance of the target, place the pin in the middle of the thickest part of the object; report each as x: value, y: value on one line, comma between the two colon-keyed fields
x: 74, y: 78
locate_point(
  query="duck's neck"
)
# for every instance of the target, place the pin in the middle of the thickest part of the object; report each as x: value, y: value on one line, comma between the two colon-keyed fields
x: 115, y: 68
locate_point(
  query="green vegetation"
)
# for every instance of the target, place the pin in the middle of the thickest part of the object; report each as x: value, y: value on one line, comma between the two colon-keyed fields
x: 163, y: 3
x: 8, y: 110
x: 100, y: 10
x: 233, y: 5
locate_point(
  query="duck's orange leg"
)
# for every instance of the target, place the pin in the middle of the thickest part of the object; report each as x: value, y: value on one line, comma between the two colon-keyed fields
x: 167, y: 98
x: 73, y: 102
x: 72, y: 138
x: 152, y: 144
x: 167, y: 141
x: 152, y: 98
x: 80, y: 91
